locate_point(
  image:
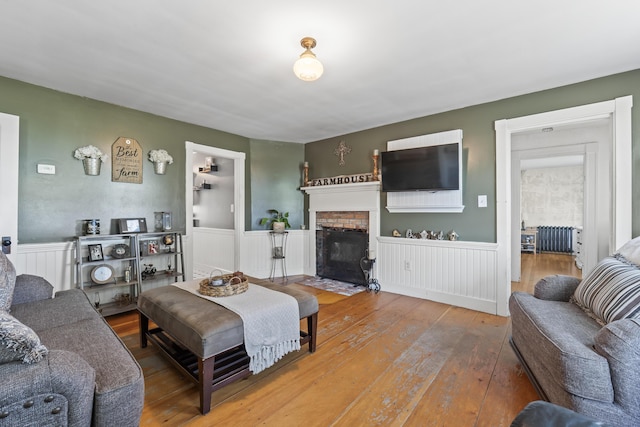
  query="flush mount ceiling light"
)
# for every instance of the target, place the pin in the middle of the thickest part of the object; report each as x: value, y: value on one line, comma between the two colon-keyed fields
x: 307, y: 67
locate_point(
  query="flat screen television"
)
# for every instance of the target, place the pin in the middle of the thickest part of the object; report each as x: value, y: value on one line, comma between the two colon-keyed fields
x: 433, y: 168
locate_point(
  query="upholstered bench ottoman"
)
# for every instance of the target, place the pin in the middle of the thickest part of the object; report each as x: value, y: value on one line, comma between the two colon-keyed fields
x: 205, y: 340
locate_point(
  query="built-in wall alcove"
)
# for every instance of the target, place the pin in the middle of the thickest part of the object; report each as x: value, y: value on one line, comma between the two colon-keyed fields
x: 213, y: 192
x: 219, y: 209
x: 442, y: 201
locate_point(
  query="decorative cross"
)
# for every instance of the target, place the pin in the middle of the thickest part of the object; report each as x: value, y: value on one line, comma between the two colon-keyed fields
x: 341, y: 151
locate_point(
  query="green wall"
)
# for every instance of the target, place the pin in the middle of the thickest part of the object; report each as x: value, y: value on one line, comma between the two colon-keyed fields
x: 477, y: 123
x: 275, y: 171
x: 54, y: 124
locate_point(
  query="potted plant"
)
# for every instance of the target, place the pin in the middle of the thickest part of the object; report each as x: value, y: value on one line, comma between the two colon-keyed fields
x: 278, y: 220
x: 91, y: 157
x: 160, y: 158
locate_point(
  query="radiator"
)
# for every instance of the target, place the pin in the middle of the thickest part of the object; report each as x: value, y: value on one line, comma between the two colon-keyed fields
x: 555, y: 239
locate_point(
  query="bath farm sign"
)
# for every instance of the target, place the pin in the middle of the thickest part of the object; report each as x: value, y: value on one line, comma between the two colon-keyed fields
x: 126, y: 161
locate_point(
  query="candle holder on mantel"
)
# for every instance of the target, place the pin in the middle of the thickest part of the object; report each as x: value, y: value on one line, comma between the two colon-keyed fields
x: 376, y: 155
x: 306, y: 174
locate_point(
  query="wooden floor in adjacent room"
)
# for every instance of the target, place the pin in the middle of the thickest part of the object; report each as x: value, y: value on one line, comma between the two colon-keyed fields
x: 382, y: 359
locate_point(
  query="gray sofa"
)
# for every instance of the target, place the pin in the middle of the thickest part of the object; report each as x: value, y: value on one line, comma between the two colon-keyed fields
x: 61, y: 364
x: 584, y: 356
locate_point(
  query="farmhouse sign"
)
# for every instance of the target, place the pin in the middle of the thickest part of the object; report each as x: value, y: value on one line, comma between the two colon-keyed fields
x: 126, y: 161
x: 342, y: 179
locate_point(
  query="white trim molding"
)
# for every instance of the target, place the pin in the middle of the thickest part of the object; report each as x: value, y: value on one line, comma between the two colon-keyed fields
x: 9, y: 161
x: 238, y: 197
x: 619, y: 110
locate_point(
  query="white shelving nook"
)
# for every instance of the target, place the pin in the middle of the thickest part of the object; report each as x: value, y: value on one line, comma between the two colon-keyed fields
x: 448, y: 201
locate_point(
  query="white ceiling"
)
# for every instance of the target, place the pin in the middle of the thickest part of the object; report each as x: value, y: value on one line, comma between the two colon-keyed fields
x: 228, y: 64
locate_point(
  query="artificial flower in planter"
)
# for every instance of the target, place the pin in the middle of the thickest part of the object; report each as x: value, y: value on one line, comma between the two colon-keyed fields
x: 91, y: 157
x: 160, y: 158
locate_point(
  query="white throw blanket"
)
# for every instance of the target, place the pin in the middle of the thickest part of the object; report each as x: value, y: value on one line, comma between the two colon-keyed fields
x: 271, y: 321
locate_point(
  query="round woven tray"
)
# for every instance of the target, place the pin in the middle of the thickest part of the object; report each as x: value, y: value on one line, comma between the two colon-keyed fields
x: 232, y: 286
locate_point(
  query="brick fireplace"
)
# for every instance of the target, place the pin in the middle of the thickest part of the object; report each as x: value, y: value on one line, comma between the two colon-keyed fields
x: 342, y: 240
x: 357, y: 220
x: 348, y: 207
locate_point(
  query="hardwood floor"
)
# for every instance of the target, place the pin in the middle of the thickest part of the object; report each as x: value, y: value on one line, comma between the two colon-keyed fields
x: 382, y: 359
x: 535, y: 267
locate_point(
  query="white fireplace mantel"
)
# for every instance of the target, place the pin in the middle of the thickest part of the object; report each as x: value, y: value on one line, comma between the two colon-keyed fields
x: 360, y: 196
x: 351, y: 186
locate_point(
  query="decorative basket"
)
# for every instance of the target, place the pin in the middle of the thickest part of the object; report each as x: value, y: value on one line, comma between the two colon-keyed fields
x: 232, y: 284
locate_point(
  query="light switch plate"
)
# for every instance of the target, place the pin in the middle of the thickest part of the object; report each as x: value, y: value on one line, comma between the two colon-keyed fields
x: 482, y: 201
x: 46, y: 169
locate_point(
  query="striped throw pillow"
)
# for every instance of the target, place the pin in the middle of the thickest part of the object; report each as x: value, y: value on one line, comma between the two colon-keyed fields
x: 611, y: 291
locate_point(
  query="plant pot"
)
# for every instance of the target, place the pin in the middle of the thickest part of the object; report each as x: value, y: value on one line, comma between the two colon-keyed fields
x: 160, y: 167
x: 278, y: 227
x: 91, y: 166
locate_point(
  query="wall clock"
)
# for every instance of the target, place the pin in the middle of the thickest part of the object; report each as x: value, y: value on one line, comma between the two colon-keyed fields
x: 103, y: 274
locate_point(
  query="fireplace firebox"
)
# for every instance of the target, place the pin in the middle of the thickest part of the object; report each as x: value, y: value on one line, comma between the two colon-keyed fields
x: 340, y: 251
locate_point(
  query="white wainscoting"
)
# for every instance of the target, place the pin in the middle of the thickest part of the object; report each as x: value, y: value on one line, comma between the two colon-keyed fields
x: 256, y: 253
x: 54, y: 261
x: 213, y: 248
x: 458, y: 273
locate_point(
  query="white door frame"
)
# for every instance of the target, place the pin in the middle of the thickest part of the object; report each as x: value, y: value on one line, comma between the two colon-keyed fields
x: 9, y: 160
x: 238, y: 197
x: 620, y: 112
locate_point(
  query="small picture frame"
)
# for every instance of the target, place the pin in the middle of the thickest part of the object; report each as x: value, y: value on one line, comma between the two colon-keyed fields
x: 132, y: 225
x: 149, y: 247
x: 95, y: 252
x: 153, y: 247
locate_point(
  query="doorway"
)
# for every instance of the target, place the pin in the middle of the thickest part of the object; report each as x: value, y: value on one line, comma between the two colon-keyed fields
x: 224, y: 254
x: 551, y: 215
x: 619, y: 112
x: 560, y: 148
x: 9, y: 147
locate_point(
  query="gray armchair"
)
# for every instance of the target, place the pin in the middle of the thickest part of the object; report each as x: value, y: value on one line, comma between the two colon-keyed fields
x: 572, y: 359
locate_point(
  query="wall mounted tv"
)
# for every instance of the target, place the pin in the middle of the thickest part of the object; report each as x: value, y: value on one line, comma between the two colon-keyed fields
x: 433, y: 168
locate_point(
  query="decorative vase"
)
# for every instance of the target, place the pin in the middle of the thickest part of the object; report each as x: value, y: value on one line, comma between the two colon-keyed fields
x: 160, y: 167
x: 278, y: 227
x: 91, y: 166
